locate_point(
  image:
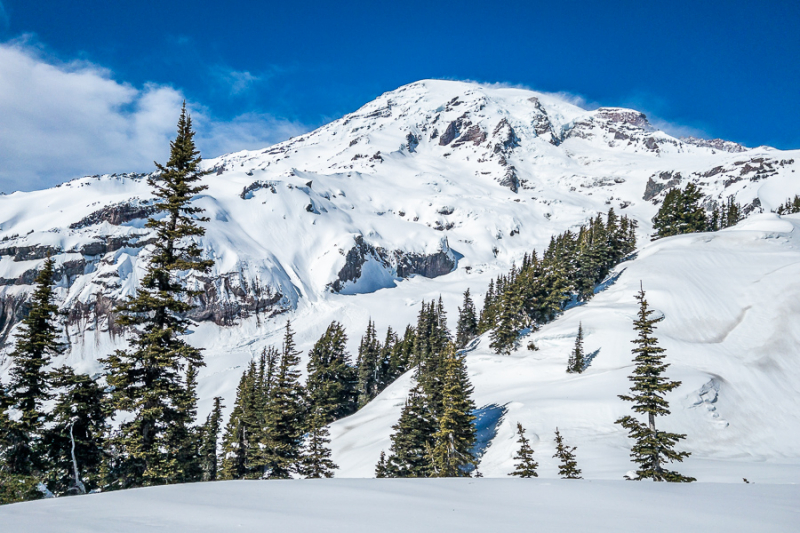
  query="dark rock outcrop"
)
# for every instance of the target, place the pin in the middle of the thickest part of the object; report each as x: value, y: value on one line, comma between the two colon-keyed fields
x: 117, y: 214
x: 667, y: 180
x: 402, y: 264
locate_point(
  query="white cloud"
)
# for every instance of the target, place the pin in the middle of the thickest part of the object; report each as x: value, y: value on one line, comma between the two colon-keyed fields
x: 60, y: 121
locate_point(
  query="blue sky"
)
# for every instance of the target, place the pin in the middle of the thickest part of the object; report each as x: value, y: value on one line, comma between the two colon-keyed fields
x: 258, y: 72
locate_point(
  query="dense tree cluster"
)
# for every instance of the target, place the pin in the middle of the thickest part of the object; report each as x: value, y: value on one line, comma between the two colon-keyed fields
x: 435, y: 435
x: 792, y: 205
x: 573, y: 264
x: 681, y: 212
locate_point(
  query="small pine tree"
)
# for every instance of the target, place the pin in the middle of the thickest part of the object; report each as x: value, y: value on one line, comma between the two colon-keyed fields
x: 568, y: 466
x: 453, y: 443
x: 576, y: 358
x: 36, y: 344
x: 381, y: 468
x: 526, y: 466
x: 209, y: 460
x: 467, y: 327
x: 316, y: 457
x: 652, y: 448
x: 76, y: 435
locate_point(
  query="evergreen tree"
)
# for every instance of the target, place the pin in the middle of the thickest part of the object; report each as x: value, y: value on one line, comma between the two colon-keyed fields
x: 412, y: 438
x: 332, y: 381
x: 576, y: 358
x: 208, y: 448
x: 467, y: 327
x: 75, y: 437
x: 235, y: 439
x: 680, y: 213
x: 316, y: 458
x: 568, y: 466
x: 789, y: 207
x: 369, y: 352
x: 652, y: 448
x: 526, y: 466
x: 285, y: 420
x: 29, y: 388
x: 505, y: 334
x: 453, y: 443
x: 381, y: 467
x: 153, y: 380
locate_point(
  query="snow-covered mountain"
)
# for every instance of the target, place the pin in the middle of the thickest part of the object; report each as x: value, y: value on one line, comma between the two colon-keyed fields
x: 430, y: 189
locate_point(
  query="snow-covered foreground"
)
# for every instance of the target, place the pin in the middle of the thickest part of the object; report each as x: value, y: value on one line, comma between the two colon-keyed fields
x: 420, y: 505
x: 731, y: 308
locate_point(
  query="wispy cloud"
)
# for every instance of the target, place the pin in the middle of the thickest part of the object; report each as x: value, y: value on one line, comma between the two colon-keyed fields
x: 62, y: 120
x: 236, y: 82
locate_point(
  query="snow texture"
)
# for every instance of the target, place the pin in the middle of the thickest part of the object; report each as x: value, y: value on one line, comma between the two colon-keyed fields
x: 420, y: 505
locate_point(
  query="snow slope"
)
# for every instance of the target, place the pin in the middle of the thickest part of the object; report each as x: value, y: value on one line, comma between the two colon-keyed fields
x: 731, y: 333
x: 422, y: 505
x: 429, y: 190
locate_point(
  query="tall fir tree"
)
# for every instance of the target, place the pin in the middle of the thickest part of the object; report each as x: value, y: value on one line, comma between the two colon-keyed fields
x: 209, y: 460
x: 577, y: 361
x: 652, y: 448
x: 152, y: 380
x: 316, y: 456
x: 568, y: 466
x: 235, y: 438
x: 451, y: 455
x: 76, y: 434
x: 369, y: 352
x: 467, y: 326
x: 506, y: 332
x: 36, y: 344
x: 332, y: 380
x: 526, y: 466
x: 286, y: 414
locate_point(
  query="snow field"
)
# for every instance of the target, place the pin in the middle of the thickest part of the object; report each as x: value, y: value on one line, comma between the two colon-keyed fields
x: 420, y: 505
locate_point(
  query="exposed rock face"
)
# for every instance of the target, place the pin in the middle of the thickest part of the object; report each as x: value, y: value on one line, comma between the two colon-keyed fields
x: 13, y: 308
x: 510, y: 179
x: 412, y: 141
x: 29, y: 253
x: 623, y: 116
x: 400, y: 263
x: 248, y: 299
x: 505, y: 137
x: 542, y: 124
x: 474, y: 134
x: 667, y: 180
x: 248, y: 191
x: 456, y: 128
x: 717, y: 144
x: 117, y: 214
